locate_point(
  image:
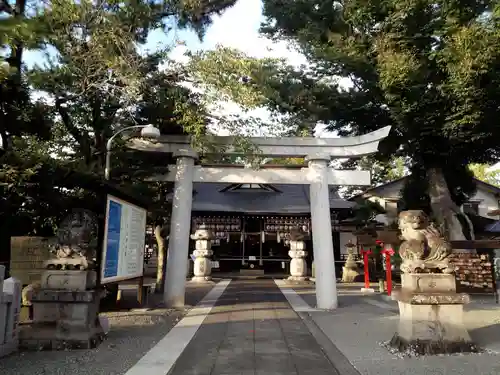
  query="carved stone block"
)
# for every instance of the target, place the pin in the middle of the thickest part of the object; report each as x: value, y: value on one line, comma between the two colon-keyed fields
x: 63, y: 322
x: 428, y: 283
x: 81, y: 313
x: 69, y: 280
x: 432, y: 329
x: 431, y: 315
x: 52, y: 295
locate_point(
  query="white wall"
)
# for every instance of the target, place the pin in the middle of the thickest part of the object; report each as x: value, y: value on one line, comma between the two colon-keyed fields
x: 487, y: 203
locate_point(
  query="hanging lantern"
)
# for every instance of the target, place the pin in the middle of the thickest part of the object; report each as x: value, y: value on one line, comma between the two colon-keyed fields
x: 263, y: 236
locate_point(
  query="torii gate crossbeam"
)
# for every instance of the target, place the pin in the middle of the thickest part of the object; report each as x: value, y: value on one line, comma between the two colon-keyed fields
x: 318, y: 175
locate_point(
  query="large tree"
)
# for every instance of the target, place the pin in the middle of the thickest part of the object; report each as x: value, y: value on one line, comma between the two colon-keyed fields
x: 427, y: 68
x: 96, y: 80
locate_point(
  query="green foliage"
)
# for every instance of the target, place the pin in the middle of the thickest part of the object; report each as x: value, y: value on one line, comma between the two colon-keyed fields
x: 486, y: 173
x: 366, y: 211
x: 96, y: 83
x: 428, y: 69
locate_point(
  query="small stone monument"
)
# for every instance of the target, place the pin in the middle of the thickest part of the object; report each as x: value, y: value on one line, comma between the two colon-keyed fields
x: 66, y: 303
x: 350, y: 270
x: 203, y: 251
x: 430, y: 309
x: 10, y: 308
x: 298, y: 265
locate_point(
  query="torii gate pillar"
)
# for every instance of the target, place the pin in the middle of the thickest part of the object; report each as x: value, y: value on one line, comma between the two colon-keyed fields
x: 326, y: 281
x: 180, y: 227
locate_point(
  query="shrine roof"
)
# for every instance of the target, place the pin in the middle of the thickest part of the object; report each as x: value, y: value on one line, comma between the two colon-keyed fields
x: 275, y: 198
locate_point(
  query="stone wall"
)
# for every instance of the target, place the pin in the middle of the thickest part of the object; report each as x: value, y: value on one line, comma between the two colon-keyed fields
x: 27, y: 255
x: 474, y: 273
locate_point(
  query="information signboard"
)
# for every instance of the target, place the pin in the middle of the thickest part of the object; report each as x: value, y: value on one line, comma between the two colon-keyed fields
x: 124, y: 241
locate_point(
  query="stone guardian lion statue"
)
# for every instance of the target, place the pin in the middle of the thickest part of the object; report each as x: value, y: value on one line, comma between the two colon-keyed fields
x: 424, y: 249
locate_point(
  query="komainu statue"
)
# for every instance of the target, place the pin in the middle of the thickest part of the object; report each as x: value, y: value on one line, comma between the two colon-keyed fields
x: 424, y: 249
x: 76, y: 242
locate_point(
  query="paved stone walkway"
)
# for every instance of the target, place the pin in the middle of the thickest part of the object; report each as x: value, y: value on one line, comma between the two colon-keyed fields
x: 253, y: 330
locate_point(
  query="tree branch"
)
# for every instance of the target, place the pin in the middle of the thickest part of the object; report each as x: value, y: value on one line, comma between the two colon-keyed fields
x: 5, y: 7
x: 82, y: 138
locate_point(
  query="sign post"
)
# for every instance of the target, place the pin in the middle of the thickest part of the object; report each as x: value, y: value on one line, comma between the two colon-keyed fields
x: 124, y: 241
x: 388, y: 252
x: 366, y: 254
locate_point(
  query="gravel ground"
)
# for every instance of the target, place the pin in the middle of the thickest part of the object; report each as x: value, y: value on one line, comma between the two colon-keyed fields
x: 363, y: 322
x: 133, y: 333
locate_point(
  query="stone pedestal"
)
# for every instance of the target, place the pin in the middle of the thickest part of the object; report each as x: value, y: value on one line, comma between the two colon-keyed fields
x: 202, y: 264
x: 431, y: 316
x: 10, y: 307
x: 65, y: 313
x: 298, y: 265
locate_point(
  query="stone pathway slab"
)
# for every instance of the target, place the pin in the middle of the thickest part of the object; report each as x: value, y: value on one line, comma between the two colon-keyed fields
x: 253, y: 330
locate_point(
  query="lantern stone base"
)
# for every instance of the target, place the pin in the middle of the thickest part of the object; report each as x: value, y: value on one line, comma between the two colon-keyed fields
x: 298, y: 279
x: 349, y: 274
x: 431, y: 316
x: 201, y: 279
x: 202, y: 266
x: 298, y: 265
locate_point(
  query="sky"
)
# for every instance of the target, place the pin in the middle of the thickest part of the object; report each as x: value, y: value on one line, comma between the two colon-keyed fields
x: 237, y: 27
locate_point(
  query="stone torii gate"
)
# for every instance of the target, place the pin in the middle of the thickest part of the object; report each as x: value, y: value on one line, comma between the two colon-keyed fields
x: 318, y: 175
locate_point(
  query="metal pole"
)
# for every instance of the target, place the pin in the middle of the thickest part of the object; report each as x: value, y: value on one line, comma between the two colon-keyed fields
x: 108, y: 158
x: 109, y: 145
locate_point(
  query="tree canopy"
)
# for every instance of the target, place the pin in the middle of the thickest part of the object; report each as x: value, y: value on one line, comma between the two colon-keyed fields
x: 96, y: 79
x: 427, y: 68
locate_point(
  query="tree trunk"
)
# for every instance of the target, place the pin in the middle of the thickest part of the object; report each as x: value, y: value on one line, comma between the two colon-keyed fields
x: 447, y: 214
x: 160, y: 267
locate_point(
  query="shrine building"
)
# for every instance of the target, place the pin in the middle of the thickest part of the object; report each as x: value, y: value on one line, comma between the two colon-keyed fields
x: 252, y: 224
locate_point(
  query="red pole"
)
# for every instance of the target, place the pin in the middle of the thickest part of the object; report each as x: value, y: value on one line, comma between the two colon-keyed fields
x: 365, y: 254
x: 388, y: 268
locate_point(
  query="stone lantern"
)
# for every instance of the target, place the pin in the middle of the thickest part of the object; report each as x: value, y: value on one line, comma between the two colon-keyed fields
x: 350, y: 270
x: 298, y: 265
x: 203, y: 251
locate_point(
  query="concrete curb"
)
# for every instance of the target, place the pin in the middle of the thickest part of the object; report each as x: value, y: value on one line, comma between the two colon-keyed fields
x: 338, y: 360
